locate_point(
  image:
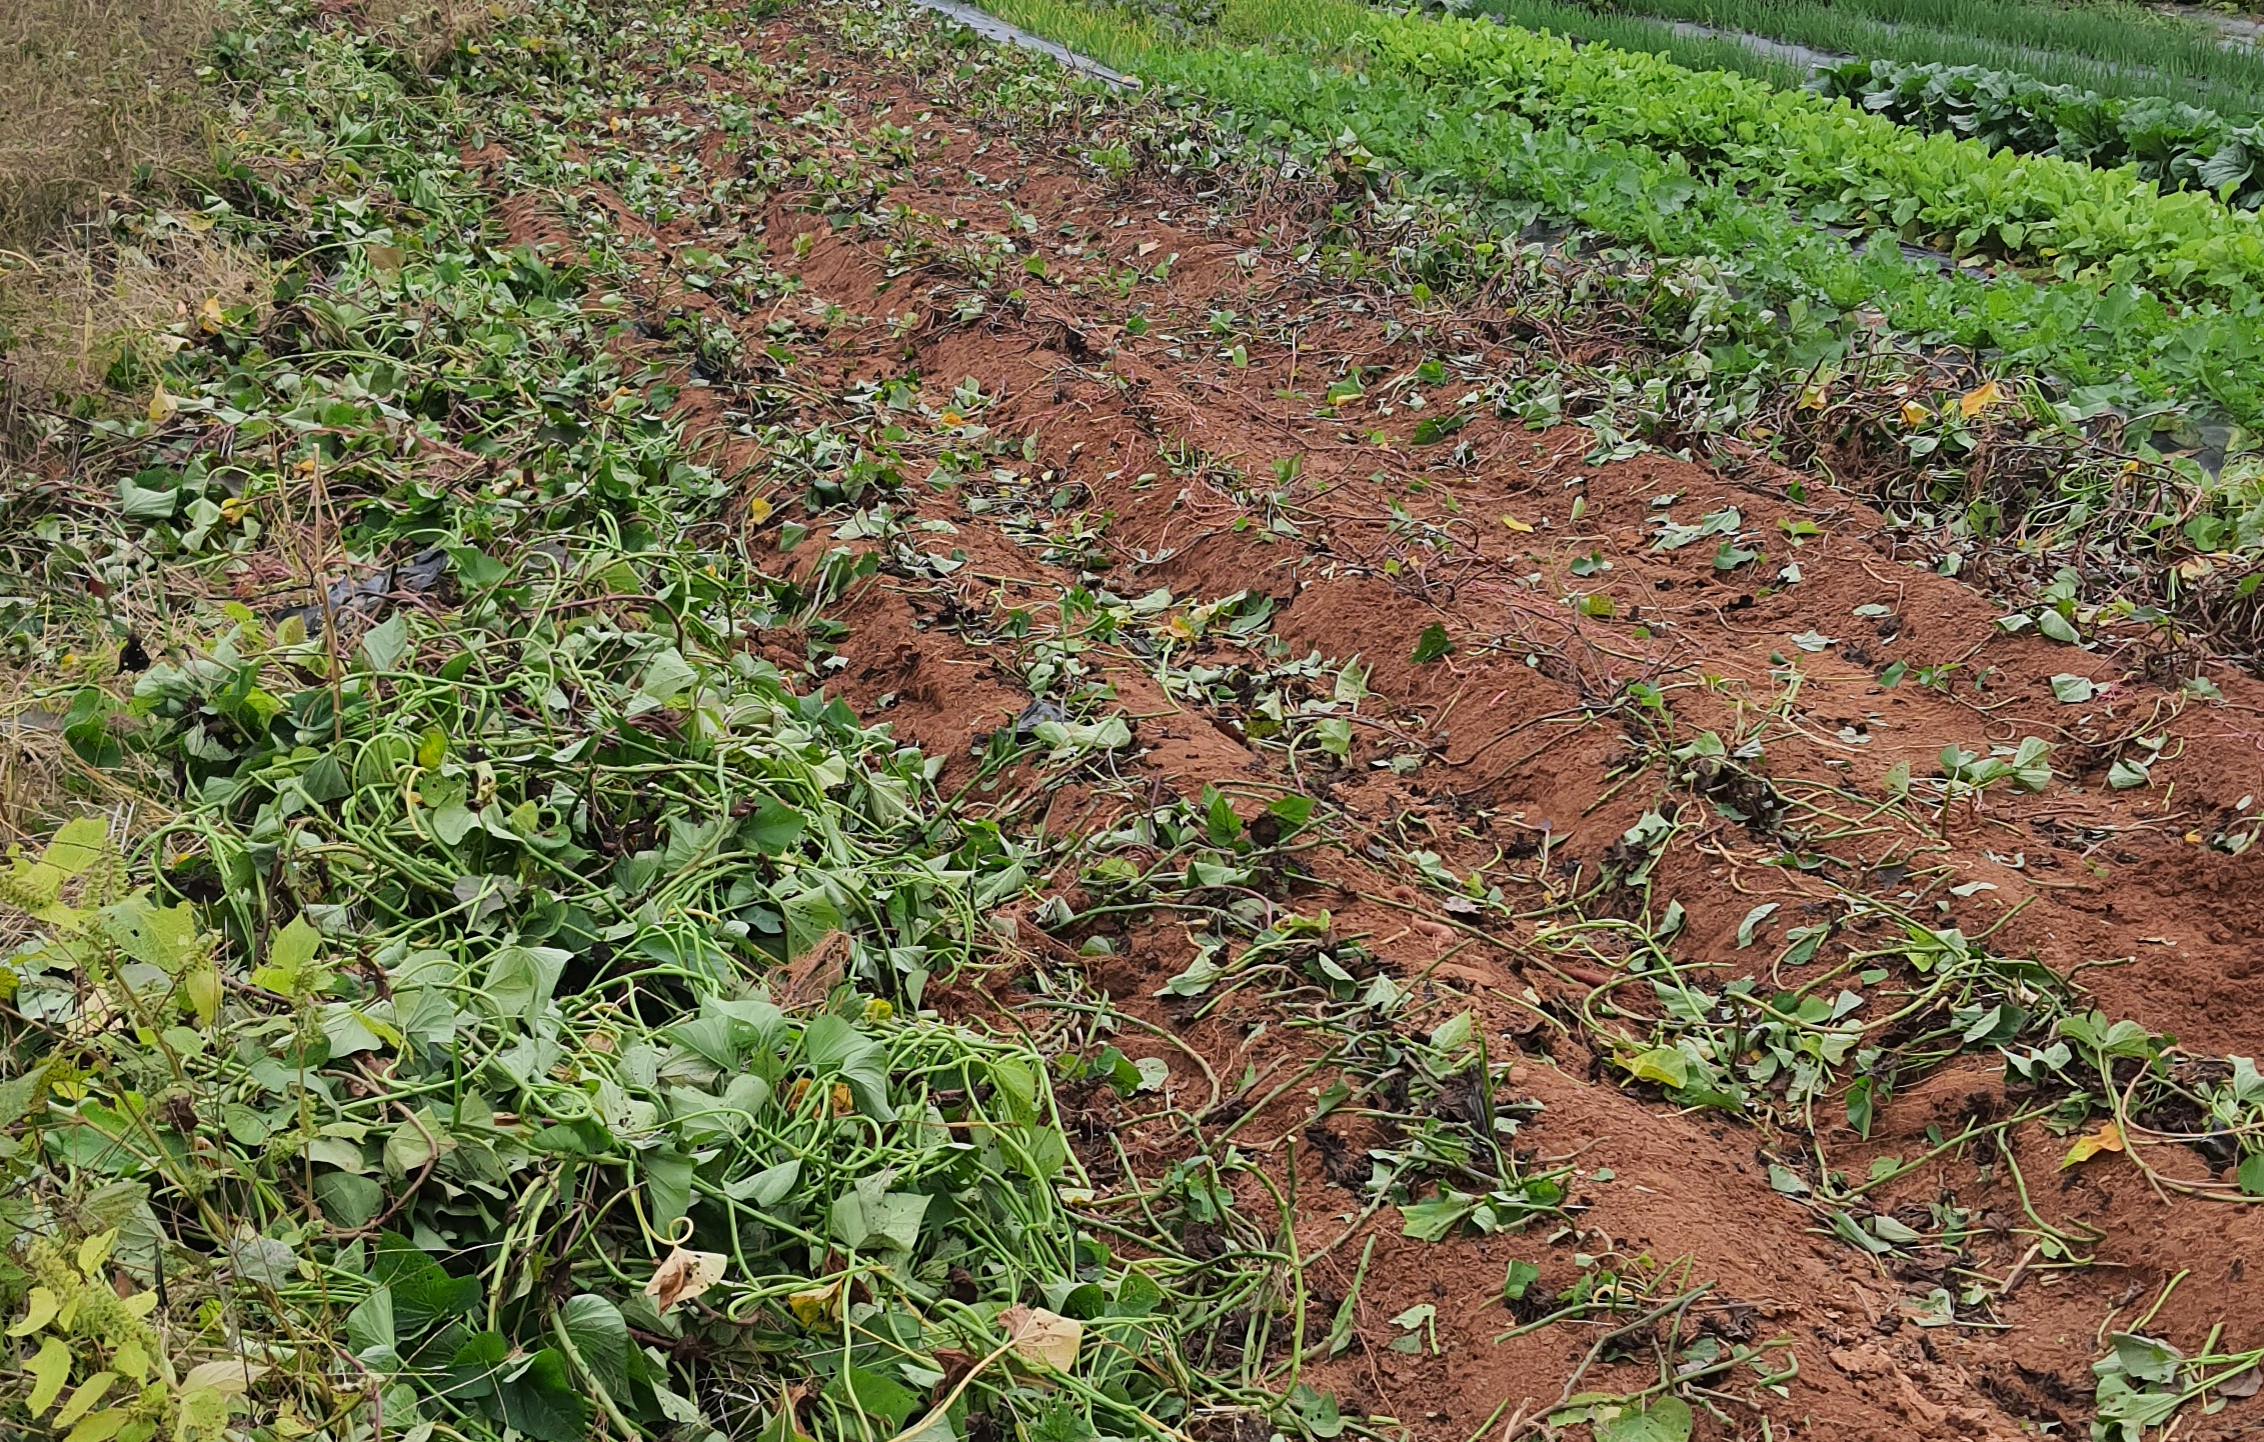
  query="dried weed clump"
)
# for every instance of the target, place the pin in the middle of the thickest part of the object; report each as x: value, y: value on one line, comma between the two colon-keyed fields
x: 100, y: 318
x: 427, y: 32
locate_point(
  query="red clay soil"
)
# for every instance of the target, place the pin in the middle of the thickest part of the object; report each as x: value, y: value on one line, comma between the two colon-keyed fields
x: 1210, y: 464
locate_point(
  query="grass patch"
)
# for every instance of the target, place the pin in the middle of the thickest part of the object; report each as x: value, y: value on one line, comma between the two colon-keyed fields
x: 94, y: 94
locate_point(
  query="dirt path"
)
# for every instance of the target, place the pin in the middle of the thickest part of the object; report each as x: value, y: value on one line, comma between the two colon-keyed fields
x: 957, y: 325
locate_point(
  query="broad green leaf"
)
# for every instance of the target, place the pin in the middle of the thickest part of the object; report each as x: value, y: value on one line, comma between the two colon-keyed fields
x: 89, y: 1392
x: 834, y: 1047
x: 858, y: 1389
x: 100, y: 1426
x: 1432, y: 645
x: 601, y: 1340
x: 290, y: 956
x: 77, y: 845
x: 166, y: 937
x: 263, y: 1261
x: 370, y: 1324
x: 414, y: 1143
x: 810, y: 918
x: 387, y: 643
x: 1519, y: 1278
x: 667, y: 676
x: 1429, y: 1221
x: 348, y: 1201
x: 1663, y: 1419
x: 766, y: 1187
x: 520, y: 979
x: 1753, y: 919
x: 771, y: 828
x: 541, y: 1401
x: 2149, y: 1359
x: 423, y: 1291
x: 890, y: 1220
x: 668, y: 1183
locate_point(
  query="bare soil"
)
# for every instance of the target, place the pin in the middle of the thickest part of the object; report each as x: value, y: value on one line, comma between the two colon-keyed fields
x: 1167, y: 443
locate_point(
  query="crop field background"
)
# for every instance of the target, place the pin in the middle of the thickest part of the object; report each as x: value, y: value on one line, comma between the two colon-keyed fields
x: 765, y: 721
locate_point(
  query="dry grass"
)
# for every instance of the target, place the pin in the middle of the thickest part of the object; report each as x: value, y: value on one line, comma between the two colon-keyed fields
x: 92, y: 94
x: 96, y: 97
x: 84, y: 321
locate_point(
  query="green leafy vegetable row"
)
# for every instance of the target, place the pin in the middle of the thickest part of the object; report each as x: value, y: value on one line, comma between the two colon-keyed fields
x: 2116, y: 49
x: 1844, y: 166
x: 1630, y: 151
x: 2180, y: 147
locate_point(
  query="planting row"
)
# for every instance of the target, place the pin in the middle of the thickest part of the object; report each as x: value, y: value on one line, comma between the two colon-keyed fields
x: 2181, y: 147
x: 2155, y: 296
x: 1840, y: 166
x: 2121, y: 49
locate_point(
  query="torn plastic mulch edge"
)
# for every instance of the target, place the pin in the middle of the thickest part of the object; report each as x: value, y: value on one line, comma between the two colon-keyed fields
x: 990, y: 27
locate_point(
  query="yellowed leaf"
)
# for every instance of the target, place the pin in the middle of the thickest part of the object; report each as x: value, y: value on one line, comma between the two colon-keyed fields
x: 758, y: 510
x: 230, y: 1374
x: 39, y: 1310
x: 209, y: 316
x: 1981, y: 397
x: 201, y: 989
x: 1042, y: 1336
x: 161, y: 406
x: 90, y: 1392
x: 202, y: 1412
x: 683, y: 1276
x: 1522, y: 528
x: 49, y: 1371
x: 94, y: 1251
x: 1914, y: 414
x: 102, y: 1426
x: 1816, y: 397
x: 2105, y: 1137
x: 815, y: 1307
